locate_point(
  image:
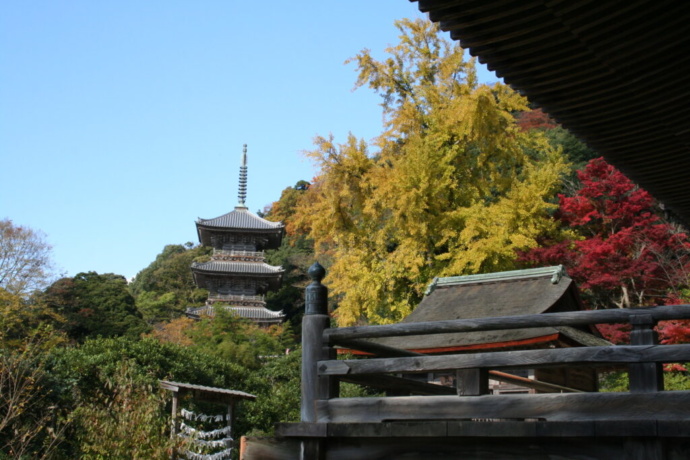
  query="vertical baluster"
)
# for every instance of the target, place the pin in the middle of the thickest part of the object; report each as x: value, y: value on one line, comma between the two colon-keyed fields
x: 645, y: 377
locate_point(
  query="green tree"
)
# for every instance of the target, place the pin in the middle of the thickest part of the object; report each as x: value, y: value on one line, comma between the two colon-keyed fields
x: 109, y: 388
x: 95, y: 305
x: 239, y: 340
x: 456, y: 187
x: 166, y: 287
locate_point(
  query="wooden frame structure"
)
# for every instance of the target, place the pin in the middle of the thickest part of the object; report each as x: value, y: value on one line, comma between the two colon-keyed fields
x: 220, y: 396
x: 645, y: 423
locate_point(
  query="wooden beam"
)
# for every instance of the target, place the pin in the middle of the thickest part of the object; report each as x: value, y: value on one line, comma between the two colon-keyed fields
x: 662, y: 406
x: 579, y: 318
x: 487, y: 429
x: 594, y: 356
x: 529, y: 383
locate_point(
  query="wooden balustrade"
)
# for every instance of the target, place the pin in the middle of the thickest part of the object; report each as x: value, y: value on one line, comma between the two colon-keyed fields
x: 645, y: 409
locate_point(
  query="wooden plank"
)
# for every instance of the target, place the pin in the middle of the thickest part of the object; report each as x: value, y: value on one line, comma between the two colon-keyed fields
x: 302, y: 430
x: 578, y: 318
x: 510, y: 359
x: 487, y: 429
x: 419, y: 429
x: 667, y: 405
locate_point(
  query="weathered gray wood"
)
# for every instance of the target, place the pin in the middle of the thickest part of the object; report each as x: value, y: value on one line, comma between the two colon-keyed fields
x: 472, y: 382
x: 669, y: 406
x: 510, y: 359
x: 315, y: 321
x: 462, y: 447
x: 312, y: 351
x: 489, y: 429
x: 645, y: 449
x: 389, y: 382
x: 302, y: 430
x: 648, y: 376
x: 579, y: 318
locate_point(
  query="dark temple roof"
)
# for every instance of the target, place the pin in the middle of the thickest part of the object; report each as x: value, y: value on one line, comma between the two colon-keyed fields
x: 520, y: 292
x: 613, y: 72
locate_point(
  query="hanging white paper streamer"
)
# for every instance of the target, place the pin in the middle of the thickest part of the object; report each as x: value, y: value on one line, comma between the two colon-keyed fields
x: 199, y: 434
x: 225, y: 442
x: 189, y: 415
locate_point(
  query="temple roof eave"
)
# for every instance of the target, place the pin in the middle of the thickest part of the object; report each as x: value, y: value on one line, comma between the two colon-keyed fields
x: 240, y: 218
x: 237, y: 268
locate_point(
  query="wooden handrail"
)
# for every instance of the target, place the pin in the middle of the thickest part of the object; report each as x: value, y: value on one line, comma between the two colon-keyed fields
x: 578, y: 318
x: 528, y: 359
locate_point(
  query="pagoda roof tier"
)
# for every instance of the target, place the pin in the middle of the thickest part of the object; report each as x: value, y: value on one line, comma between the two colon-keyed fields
x: 240, y: 221
x: 240, y: 218
x: 256, y: 314
x: 239, y: 268
x: 218, y: 269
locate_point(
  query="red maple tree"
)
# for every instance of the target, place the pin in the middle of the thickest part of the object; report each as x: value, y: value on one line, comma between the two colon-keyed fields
x: 628, y: 256
x: 535, y: 119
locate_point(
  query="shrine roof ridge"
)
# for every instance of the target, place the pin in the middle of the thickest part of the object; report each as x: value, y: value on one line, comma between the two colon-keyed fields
x: 555, y: 272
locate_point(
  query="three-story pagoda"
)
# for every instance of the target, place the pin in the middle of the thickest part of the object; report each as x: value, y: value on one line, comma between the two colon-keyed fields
x: 237, y: 274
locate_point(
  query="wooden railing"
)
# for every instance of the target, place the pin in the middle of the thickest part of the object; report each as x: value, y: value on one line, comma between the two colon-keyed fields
x: 322, y: 371
x: 234, y: 253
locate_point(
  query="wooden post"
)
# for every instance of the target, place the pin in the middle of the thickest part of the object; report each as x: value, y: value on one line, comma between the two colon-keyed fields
x: 472, y: 382
x: 230, y: 420
x: 315, y: 321
x: 645, y: 377
x: 173, y: 430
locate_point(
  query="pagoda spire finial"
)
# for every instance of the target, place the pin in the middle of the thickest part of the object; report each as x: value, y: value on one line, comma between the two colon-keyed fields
x: 242, y: 193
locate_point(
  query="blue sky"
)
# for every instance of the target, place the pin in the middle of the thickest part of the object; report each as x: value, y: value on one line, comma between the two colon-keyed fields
x: 121, y: 122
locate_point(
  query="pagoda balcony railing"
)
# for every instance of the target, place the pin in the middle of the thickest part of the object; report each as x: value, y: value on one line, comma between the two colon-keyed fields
x: 237, y: 254
x: 234, y: 298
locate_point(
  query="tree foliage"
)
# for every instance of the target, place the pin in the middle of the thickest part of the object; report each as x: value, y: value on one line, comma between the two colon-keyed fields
x: 166, y: 287
x: 626, y: 254
x: 451, y: 190
x: 25, y: 259
x: 95, y: 305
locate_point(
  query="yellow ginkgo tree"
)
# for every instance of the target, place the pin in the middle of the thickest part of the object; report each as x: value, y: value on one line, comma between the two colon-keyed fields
x: 452, y: 186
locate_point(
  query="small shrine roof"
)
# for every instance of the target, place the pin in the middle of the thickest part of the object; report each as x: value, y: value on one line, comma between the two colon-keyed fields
x: 227, y: 266
x: 240, y: 218
x: 519, y: 292
x: 230, y: 394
